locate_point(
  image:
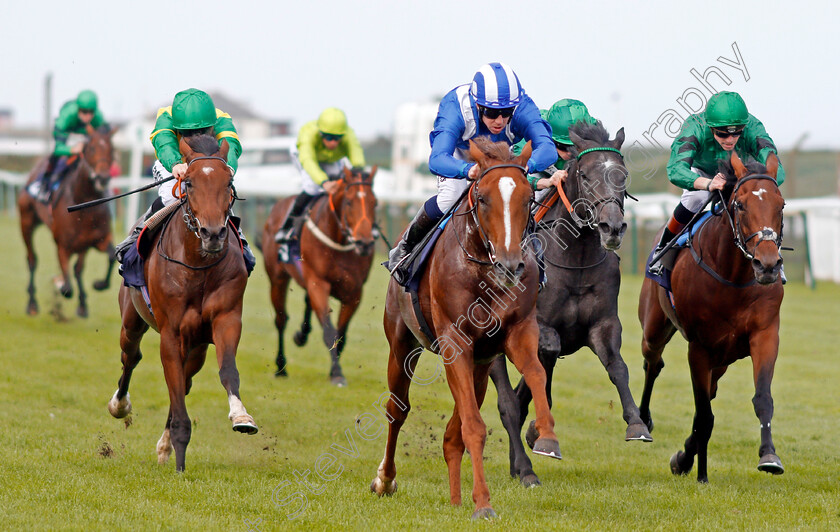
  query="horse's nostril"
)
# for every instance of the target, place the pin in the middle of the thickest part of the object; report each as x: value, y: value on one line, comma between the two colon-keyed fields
x: 222, y: 233
x: 203, y: 233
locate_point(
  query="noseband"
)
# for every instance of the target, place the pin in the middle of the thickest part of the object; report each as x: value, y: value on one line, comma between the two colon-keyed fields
x: 598, y: 202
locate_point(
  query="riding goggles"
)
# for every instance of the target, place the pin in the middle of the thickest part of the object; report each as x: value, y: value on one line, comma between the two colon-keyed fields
x: 730, y: 131
x: 330, y: 136
x: 493, y: 113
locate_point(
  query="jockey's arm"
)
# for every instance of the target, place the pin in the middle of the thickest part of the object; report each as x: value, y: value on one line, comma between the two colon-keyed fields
x: 683, y: 152
x: 441, y: 161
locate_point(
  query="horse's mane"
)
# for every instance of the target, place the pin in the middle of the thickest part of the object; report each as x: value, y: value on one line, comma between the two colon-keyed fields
x: 205, y: 144
x: 725, y: 168
x: 495, y: 150
x: 593, y: 132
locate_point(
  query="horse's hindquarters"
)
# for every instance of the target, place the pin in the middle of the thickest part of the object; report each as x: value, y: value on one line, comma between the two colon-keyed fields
x: 141, y: 307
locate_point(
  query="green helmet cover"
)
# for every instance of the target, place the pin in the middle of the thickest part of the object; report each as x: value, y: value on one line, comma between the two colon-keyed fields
x: 193, y: 109
x: 332, y: 121
x: 564, y: 114
x: 87, y: 100
x: 726, y: 109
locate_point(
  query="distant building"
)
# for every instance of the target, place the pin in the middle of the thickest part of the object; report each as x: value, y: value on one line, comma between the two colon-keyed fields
x: 7, y: 119
x: 410, y: 150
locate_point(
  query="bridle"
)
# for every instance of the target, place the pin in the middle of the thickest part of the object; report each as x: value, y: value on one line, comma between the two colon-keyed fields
x: 189, y: 218
x: 343, y: 227
x: 735, y: 222
x: 473, y: 205
x: 599, y: 202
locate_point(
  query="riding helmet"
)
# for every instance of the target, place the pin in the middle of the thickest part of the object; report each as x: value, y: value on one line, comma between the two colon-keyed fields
x: 193, y: 109
x: 332, y: 121
x: 86, y: 100
x: 564, y: 114
x: 726, y: 109
x: 495, y: 85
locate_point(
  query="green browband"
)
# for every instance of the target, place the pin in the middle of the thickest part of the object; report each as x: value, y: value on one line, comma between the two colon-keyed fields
x: 602, y: 148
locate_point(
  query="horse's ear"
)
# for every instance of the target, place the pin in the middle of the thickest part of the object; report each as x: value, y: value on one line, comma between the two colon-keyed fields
x: 373, y: 172
x: 737, y: 166
x: 772, y: 165
x: 619, y: 139
x: 224, y: 148
x: 522, y: 160
x: 348, y: 173
x: 575, y: 138
x: 90, y: 130
x: 476, y: 154
x: 112, y: 131
x: 185, y: 149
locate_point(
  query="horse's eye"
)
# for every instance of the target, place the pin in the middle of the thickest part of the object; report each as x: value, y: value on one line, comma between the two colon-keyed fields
x: 739, y: 205
x: 482, y: 200
x: 188, y: 183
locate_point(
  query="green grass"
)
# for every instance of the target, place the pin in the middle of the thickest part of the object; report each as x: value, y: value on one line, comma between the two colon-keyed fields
x: 69, y: 465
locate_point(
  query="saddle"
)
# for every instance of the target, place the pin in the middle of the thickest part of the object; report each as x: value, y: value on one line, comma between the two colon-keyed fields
x: 670, y: 257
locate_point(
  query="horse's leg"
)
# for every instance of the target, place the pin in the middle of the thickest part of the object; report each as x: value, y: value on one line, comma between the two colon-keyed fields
x: 460, y: 375
x: 400, y: 365
x: 28, y: 222
x: 657, y: 330
x: 180, y: 427
x: 302, y: 335
x: 605, y: 340
x: 65, y: 287
x: 319, y: 293
x: 133, y: 328
x: 164, y: 444
x: 344, y: 316
x: 279, y: 291
x: 764, y: 348
x: 520, y: 464
x: 521, y: 347
x: 105, y: 282
x: 697, y: 443
x: 227, y: 330
x: 453, y: 454
x: 549, y: 350
x: 78, y: 268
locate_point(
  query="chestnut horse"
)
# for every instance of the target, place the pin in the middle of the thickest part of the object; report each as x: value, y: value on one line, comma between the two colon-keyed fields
x: 336, y: 253
x: 74, y: 233
x: 726, y: 300
x: 478, y: 297
x: 196, y: 277
x: 579, y: 305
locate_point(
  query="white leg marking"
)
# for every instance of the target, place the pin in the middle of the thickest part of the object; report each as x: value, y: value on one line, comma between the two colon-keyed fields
x: 506, y: 187
x: 236, y: 407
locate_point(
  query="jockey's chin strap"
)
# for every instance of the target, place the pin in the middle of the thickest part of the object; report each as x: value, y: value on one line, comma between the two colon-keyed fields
x: 189, y: 218
x: 485, y: 239
x: 735, y: 222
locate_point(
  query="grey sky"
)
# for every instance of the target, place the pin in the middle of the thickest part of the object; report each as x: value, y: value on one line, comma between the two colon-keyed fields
x: 628, y: 61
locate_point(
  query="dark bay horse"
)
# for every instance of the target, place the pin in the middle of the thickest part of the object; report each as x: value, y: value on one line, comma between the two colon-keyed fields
x: 478, y: 296
x: 726, y: 300
x: 74, y: 233
x: 336, y: 253
x: 579, y: 305
x: 196, y: 277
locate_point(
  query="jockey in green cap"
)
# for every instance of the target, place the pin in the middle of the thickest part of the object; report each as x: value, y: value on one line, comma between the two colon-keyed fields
x: 73, y: 119
x: 706, y: 138
x: 324, y: 148
x: 192, y: 113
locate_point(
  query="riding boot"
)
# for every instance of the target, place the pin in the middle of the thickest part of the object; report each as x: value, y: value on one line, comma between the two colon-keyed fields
x: 45, y: 180
x: 672, y: 229
x: 247, y: 254
x: 120, y: 249
x: 420, y: 225
x: 284, y: 234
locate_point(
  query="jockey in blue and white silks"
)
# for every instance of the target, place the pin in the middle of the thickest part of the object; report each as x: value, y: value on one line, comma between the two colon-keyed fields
x: 493, y: 105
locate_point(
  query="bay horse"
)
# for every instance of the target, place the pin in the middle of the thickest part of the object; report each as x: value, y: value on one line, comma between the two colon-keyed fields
x: 578, y: 307
x: 74, y: 233
x: 477, y: 297
x: 726, y: 297
x: 195, y: 276
x: 336, y: 253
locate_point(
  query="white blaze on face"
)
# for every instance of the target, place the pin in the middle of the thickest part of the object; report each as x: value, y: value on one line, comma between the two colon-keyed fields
x: 760, y: 193
x: 207, y: 170
x: 506, y: 186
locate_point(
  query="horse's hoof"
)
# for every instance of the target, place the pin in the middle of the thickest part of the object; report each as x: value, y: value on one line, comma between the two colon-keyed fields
x: 530, y: 481
x: 101, y: 285
x: 245, y: 424
x: 638, y: 432
x: 547, y: 447
x: 300, y: 339
x: 770, y: 463
x: 32, y: 309
x: 119, y: 408
x: 281, y: 372
x: 381, y: 488
x: 676, y: 469
x: 338, y: 381
x: 531, y: 435
x: 484, y: 513
x: 82, y: 312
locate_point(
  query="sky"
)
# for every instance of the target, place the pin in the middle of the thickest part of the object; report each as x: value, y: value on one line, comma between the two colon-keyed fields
x: 630, y: 62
